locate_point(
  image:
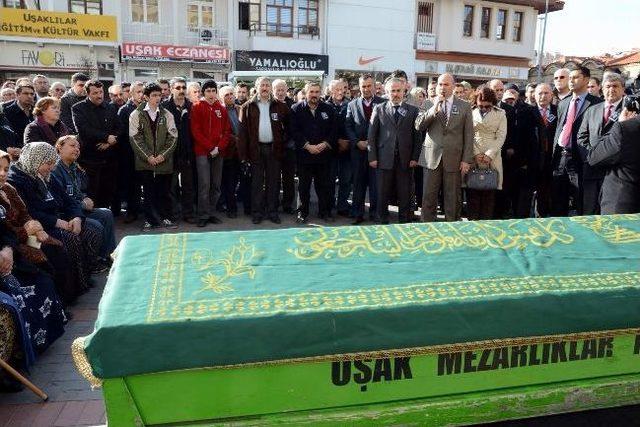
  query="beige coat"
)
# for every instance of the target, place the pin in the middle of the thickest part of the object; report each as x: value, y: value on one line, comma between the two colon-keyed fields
x: 489, y: 135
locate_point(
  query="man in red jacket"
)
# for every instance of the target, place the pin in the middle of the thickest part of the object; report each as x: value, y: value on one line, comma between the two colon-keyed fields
x: 210, y: 131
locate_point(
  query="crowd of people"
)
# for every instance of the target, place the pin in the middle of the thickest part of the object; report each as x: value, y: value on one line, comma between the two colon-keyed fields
x: 177, y: 151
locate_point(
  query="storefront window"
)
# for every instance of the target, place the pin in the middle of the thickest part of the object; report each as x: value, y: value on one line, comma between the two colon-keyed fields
x: 144, y: 11
x: 249, y: 16
x: 308, y: 17
x: 87, y: 7
x: 280, y: 17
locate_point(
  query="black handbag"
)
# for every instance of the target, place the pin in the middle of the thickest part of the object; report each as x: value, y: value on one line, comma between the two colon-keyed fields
x: 482, y: 179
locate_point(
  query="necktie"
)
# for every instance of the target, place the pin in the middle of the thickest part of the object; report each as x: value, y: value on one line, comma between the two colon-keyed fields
x: 545, y: 117
x: 565, y: 135
x: 396, y: 115
x: 607, y: 113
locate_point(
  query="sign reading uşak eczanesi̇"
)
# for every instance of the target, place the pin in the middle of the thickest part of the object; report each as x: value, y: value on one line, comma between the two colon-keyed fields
x: 252, y: 60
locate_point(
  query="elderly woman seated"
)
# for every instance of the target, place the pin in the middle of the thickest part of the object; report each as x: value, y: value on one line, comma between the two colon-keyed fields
x: 73, y: 180
x: 60, y: 215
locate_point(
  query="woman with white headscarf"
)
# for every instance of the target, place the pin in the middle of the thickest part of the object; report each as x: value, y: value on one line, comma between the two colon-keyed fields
x: 60, y: 215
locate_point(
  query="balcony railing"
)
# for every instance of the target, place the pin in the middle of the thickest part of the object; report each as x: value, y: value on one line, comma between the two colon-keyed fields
x: 150, y: 33
x: 285, y: 30
x: 206, y: 36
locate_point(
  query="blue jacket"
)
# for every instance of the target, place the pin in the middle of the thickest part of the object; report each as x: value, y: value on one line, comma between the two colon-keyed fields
x: 307, y: 128
x: 45, y: 203
x: 73, y: 180
x: 356, y: 123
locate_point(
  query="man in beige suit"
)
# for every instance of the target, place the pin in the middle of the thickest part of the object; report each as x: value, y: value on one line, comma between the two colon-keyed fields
x: 447, y: 150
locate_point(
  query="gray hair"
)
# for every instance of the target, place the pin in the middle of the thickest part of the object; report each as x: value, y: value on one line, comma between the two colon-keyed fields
x: 334, y: 83
x: 309, y: 85
x: 261, y: 79
x: 610, y: 76
x: 391, y: 81
x: 224, y: 90
x: 279, y: 82
x: 175, y: 80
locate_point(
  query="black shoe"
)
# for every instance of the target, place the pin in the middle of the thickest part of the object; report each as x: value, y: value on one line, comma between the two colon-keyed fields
x: 232, y: 214
x: 10, y: 385
x: 328, y: 218
x: 358, y: 220
x: 247, y: 213
x: 287, y: 210
x: 190, y: 220
x: 202, y: 223
x: 275, y: 219
x: 301, y: 219
x: 256, y: 219
x: 214, y: 220
x: 129, y: 218
x: 344, y: 213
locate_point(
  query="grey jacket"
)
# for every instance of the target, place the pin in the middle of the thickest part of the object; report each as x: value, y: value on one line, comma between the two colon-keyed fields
x: 447, y: 142
x: 385, y: 135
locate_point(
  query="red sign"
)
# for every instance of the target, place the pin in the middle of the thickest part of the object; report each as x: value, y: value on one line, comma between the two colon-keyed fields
x: 218, y: 55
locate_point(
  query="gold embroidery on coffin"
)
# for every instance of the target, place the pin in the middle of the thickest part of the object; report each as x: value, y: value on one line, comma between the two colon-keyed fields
x: 234, y: 262
x: 396, y: 240
x: 608, y: 227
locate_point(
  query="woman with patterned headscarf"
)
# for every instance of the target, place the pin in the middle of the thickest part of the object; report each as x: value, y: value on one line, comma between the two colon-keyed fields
x: 60, y: 215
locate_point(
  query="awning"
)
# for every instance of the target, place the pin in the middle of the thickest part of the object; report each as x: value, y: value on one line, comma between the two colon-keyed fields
x: 234, y: 75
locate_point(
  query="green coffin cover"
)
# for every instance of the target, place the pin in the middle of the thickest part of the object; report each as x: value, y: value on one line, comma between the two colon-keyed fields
x: 179, y: 301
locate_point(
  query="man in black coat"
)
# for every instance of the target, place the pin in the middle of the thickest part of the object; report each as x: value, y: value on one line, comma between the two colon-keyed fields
x: 357, y: 128
x: 547, y: 115
x: 341, y: 161
x: 568, y: 155
x: 74, y: 95
x: 20, y: 113
x: 598, y: 121
x: 619, y: 153
x: 183, y: 191
x: 313, y: 127
x: 98, y: 129
x: 129, y: 181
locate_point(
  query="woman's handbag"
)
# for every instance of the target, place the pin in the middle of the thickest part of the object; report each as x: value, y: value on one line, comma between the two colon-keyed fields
x: 482, y: 179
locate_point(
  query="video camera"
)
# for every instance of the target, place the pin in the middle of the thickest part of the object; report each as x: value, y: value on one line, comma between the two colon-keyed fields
x: 632, y: 103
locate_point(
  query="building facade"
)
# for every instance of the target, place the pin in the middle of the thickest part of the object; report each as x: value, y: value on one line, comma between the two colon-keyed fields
x: 59, y: 38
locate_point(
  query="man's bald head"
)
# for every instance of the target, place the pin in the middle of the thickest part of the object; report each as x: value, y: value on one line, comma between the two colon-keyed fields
x: 445, y: 86
x: 561, y: 80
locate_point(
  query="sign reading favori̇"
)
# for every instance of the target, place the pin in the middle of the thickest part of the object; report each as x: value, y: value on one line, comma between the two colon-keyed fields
x: 253, y: 60
x: 218, y: 55
x: 57, y: 25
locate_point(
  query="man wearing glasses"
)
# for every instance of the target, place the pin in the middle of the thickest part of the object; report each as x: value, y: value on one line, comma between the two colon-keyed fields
x: 41, y: 86
x: 76, y: 94
x: 182, y: 190
x: 561, y: 82
x: 57, y: 90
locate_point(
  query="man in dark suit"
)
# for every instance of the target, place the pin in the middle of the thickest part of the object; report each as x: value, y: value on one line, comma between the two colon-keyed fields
x: 619, y: 152
x: 568, y: 156
x: 313, y: 128
x: 394, y: 147
x: 447, y: 150
x: 503, y: 202
x: 359, y: 113
x: 547, y: 114
x: 598, y: 121
x: 20, y: 113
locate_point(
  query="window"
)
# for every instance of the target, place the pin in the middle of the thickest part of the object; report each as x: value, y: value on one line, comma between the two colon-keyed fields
x: 144, y: 11
x: 86, y: 7
x: 200, y: 14
x: 517, y: 26
x: 308, y: 16
x: 249, y: 16
x: 485, y: 23
x: 501, y: 28
x: 425, y: 17
x: 14, y: 4
x: 280, y: 17
x: 467, y: 28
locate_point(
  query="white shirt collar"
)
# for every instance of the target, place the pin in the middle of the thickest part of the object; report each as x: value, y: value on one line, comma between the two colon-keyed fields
x: 152, y: 113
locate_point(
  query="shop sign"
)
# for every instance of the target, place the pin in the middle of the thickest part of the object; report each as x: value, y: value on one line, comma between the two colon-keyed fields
x: 57, y: 25
x: 146, y: 51
x: 30, y: 56
x: 280, y: 61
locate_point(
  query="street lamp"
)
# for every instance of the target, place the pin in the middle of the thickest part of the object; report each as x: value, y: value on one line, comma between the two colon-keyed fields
x: 544, y: 34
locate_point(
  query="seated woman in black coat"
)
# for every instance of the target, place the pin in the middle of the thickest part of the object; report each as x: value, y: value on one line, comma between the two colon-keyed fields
x: 47, y: 125
x: 60, y: 215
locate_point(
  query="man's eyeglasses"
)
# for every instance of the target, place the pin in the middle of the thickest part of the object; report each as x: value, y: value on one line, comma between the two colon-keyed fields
x: 59, y: 89
x: 559, y: 78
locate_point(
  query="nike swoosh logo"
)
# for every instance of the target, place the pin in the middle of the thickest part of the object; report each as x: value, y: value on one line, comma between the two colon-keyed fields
x: 362, y: 61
